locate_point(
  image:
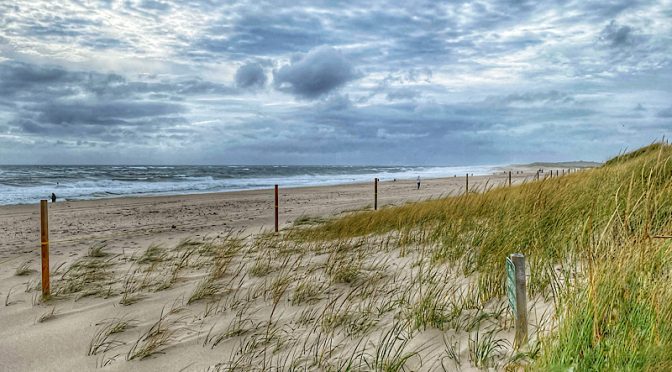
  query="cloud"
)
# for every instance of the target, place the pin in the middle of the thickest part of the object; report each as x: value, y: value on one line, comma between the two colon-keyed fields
x: 665, y: 113
x: 403, y: 94
x: 30, y: 82
x: 250, y: 75
x: 616, y: 35
x: 353, y: 82
x: 532, y: 98
x: 314, y: 74
x: 256, y: 31
x: 101, y: 106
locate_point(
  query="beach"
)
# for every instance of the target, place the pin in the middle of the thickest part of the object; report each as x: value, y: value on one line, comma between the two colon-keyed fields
x: 128, y: 226
x: 132, y: 222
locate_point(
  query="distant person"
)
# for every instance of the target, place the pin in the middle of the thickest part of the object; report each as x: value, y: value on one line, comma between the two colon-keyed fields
x: 53, y: 197
x: 418, y: 182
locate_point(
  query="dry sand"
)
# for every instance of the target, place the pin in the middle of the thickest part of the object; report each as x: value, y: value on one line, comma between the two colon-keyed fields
x: 128, y: 226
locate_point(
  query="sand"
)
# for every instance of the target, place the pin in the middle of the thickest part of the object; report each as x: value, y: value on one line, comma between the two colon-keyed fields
x: 127, y: 227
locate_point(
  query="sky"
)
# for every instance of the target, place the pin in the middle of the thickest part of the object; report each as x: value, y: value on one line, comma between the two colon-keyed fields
x: 332, y: 82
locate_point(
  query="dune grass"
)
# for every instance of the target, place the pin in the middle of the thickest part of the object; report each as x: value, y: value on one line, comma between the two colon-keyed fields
x: 418, y: 286
x: 592, y: 241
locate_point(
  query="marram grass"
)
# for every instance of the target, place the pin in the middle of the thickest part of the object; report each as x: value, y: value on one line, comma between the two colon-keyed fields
x: 594, y: 241
x: 414, y: 287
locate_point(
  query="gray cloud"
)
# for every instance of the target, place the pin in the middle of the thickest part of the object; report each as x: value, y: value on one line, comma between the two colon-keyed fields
x: 403, y: 94
x: 250, y: 75
x: 316, y: 73
x: 104, y: 107
x: 257, y: 31
x: 617, y: 35
x: 665, y: 113
x: 532, y: 98
x: 416, y: 82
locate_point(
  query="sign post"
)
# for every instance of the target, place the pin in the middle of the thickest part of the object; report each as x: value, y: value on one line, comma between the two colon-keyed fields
x: 276, y: 208
x: 517, y: 294
x: 44, y: 237
x: 375, y: 194
x: 467, y: 186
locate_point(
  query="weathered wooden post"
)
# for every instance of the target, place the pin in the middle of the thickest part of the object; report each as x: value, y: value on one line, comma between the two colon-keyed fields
x: 375, y: 194
x: 517, y: 293
x: 44, y: 235
x: 466, y: 192
x: 276, y: 208
x: 509, y: 178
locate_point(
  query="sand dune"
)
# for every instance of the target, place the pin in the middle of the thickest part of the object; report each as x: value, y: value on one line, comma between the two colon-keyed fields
x: 149, y: 299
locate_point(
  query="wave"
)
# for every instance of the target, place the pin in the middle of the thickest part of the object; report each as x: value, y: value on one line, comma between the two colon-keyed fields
x: 28, y: 184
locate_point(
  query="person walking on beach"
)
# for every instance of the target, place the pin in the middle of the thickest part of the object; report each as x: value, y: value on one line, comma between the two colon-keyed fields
x: 53, y: 197
x: 418, y: 182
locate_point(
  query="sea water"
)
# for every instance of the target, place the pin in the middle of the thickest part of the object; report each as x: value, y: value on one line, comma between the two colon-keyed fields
x: 21, y: 184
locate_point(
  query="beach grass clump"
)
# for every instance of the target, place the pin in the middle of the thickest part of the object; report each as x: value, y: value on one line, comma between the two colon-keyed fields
x: 87, y: 276
x: 308, y: 291
x: 158, y: 336
x: 102, y: 340
x: 391, y: 353
x: 48, y: 315
x: 206, y: 288
x: 97, y: 250
x: 261, y: 268
x: 153, y: 254
x: 344, y: 266
x: 24, y: 269
x: 484, y: 348
x: 309, y: 220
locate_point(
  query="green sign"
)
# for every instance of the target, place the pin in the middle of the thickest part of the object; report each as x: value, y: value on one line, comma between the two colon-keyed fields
x: 511, y: 284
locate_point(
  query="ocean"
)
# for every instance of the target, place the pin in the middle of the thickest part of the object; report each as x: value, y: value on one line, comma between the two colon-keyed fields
x: 21, y: 184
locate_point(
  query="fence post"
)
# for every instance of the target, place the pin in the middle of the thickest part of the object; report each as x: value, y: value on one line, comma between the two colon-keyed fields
x: 44, y: 237
x: 509, y: 178
x: 517, y: 293
x: 375, y: 194
x: 276, y: 208
x: 466, y: 192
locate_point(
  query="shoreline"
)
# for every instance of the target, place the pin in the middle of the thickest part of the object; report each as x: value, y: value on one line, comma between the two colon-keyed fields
x: 496, y: 169
x: 135, y: 221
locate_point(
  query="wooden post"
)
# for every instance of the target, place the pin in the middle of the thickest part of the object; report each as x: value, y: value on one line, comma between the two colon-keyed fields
x: 519, y: 300
x: 375, y: 194
x: 44, y: 235
x: 509, y: 178
x: 466, y: 192
x: 276, y: 208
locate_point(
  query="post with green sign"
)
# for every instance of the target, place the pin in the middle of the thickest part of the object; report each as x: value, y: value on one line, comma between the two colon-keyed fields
x: 517, y: 293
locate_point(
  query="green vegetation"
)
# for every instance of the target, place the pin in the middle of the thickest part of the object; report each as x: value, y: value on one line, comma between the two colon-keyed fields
x: 590, y: 241
x: 418, y: 286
